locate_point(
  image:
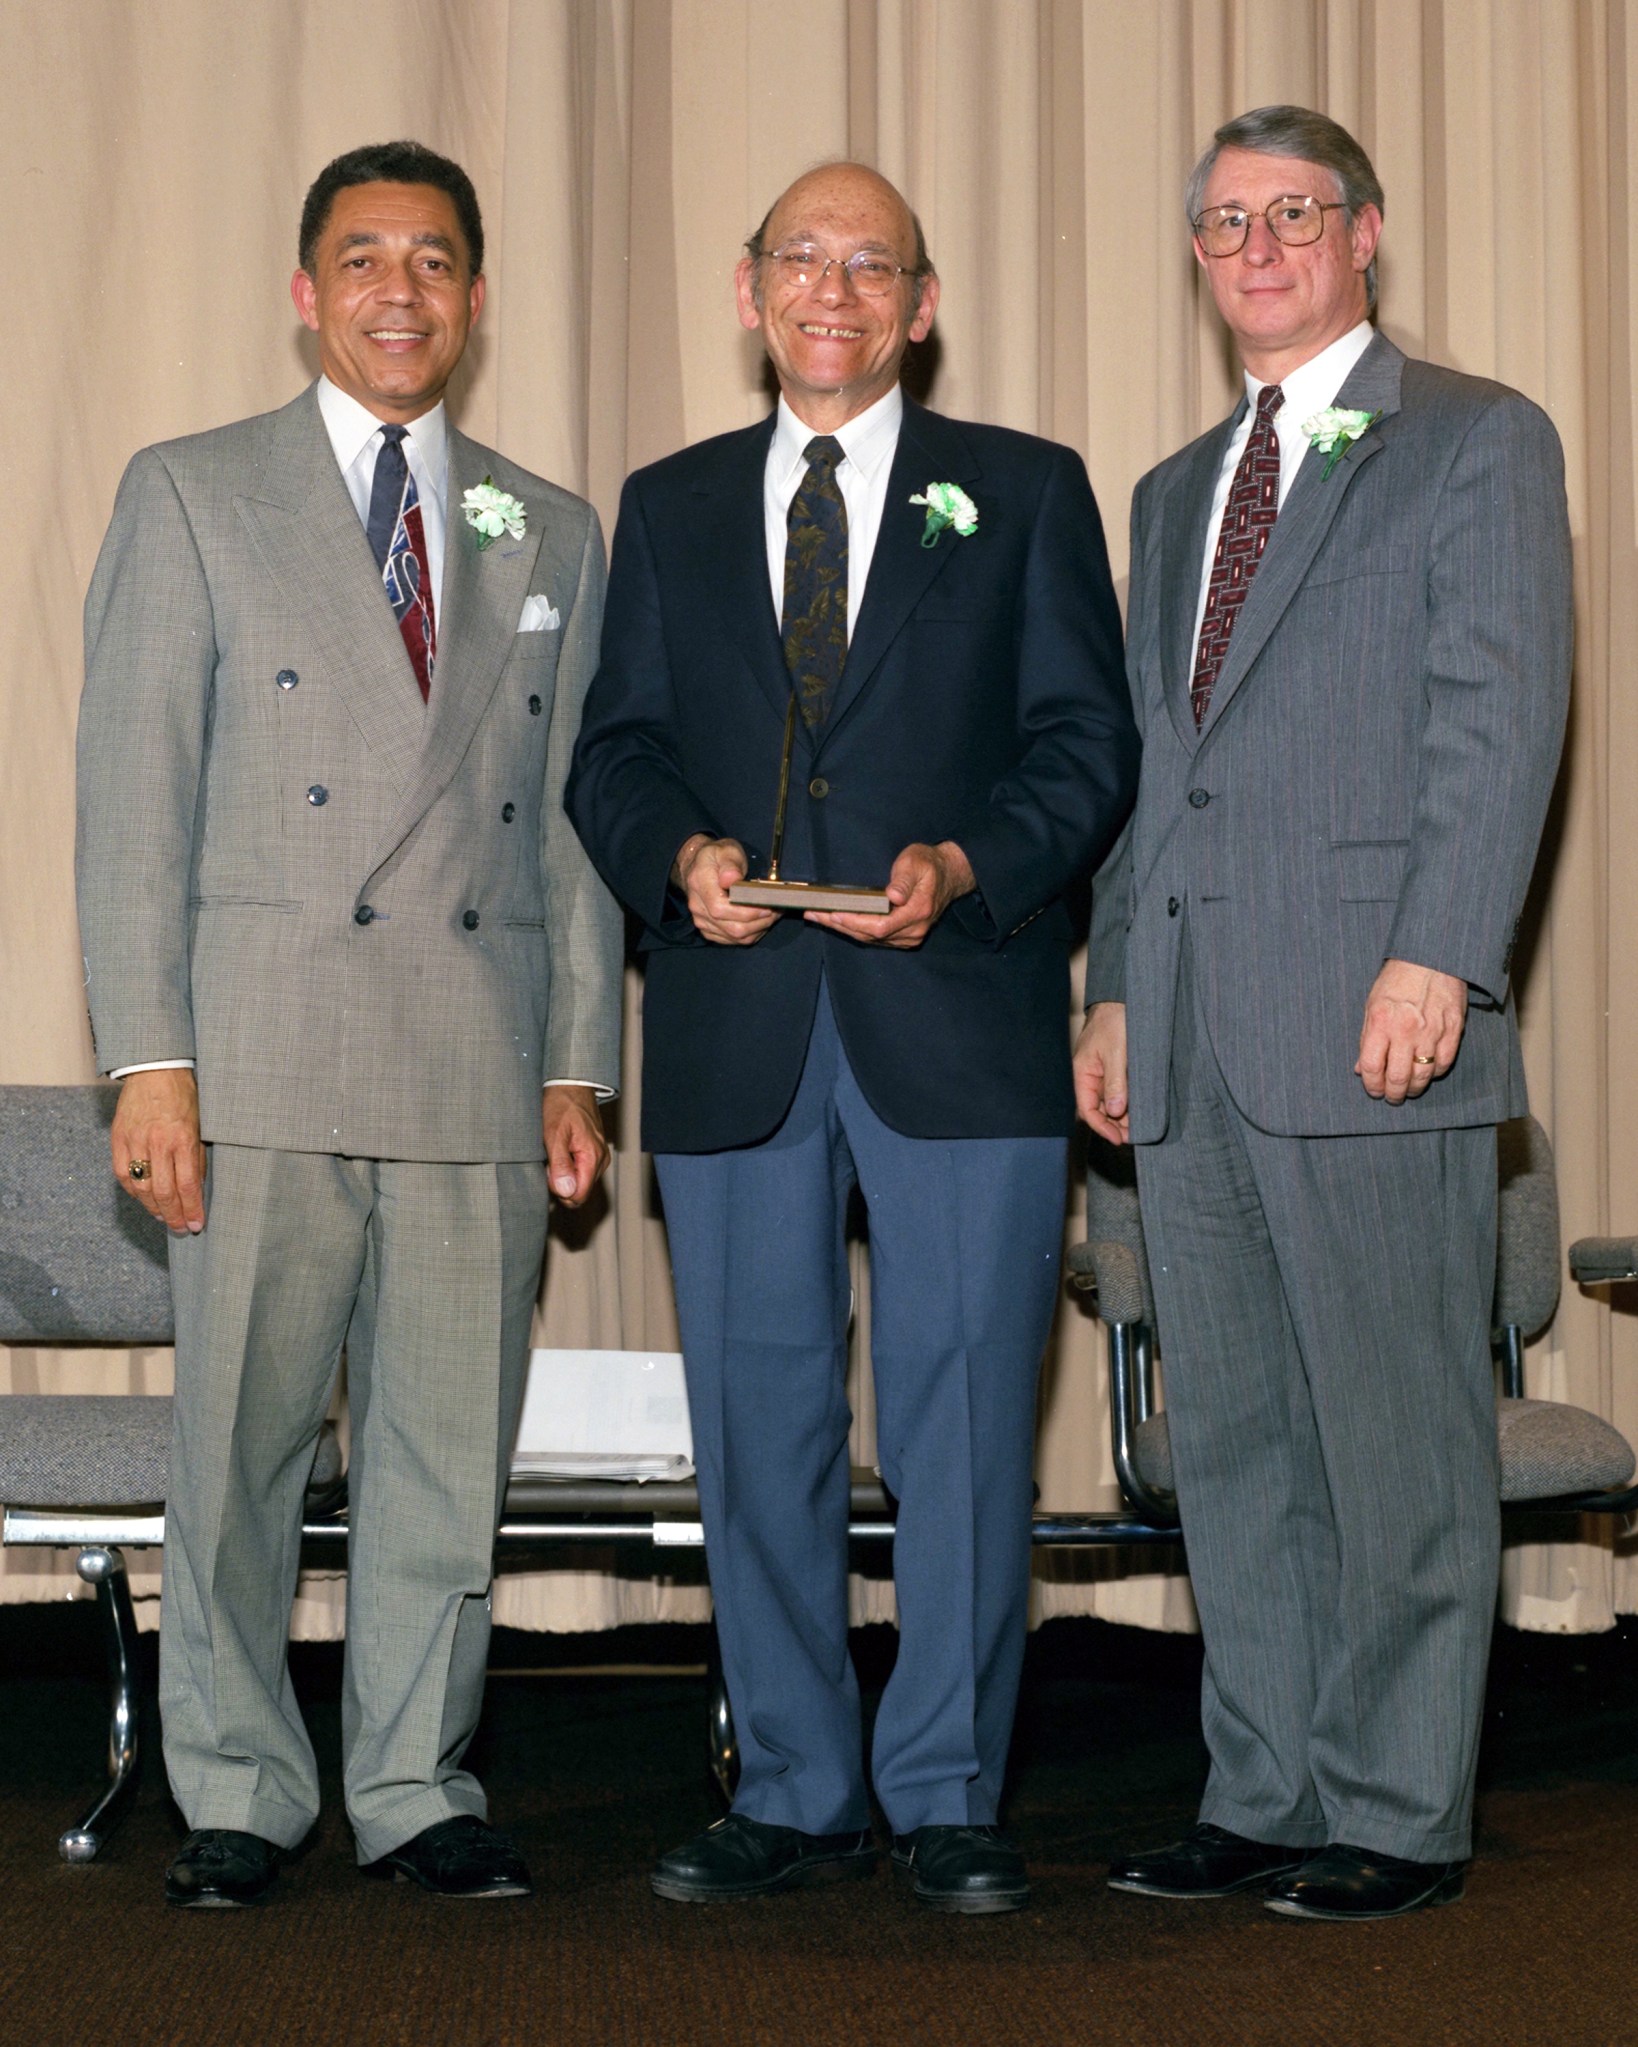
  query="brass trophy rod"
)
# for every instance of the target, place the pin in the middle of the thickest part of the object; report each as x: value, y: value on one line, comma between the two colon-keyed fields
x: 778, y: 845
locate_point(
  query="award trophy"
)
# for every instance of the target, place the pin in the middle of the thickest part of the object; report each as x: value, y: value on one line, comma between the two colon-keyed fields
x: 771, y: 893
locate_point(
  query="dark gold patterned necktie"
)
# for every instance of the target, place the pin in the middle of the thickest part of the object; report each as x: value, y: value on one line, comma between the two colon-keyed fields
x: 813, y: 622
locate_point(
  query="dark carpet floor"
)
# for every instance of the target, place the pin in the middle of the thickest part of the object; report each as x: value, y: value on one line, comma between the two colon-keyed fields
x: 594, y: 1774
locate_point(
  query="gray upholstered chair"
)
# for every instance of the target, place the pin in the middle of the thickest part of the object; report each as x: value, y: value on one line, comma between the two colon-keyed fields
x: 1555, y: 1458
x: 81, y: 1263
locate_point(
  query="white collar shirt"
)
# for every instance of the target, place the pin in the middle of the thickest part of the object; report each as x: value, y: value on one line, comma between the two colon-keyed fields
x: 868, y: 444
x: 1308, y: 389
x: 355, y: 437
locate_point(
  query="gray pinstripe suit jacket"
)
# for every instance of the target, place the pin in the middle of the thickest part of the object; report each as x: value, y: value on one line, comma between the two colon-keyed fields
x: 232, y: 830
x: 1373, y: 772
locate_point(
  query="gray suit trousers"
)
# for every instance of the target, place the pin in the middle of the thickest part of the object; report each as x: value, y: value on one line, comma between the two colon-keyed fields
x: 1323, y: 1306
x: 429, y: 1273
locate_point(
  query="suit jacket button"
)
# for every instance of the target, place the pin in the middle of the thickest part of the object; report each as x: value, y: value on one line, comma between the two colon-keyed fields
x: 508, y: 812
x: 1172, y: 906
x: 1198, y: 799
x: 470, y: 919
x: 318, y: 795
x: 534, y: 707
x: 363, y: 914
x: 287, y: 678
x: 818, y: 786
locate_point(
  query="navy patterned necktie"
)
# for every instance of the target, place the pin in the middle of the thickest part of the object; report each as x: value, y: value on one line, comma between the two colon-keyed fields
x: 1248, y: 519
x: 399, y: 543
x: 813, y: 620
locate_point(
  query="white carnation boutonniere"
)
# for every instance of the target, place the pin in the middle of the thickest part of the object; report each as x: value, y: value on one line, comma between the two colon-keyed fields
x: 490, y: 513
x: 947, y: 505
x: 1334, y: 431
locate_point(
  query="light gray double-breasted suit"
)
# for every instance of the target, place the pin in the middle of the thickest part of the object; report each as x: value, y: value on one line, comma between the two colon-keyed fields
x: 1369, y: 782
x: 370, y: 925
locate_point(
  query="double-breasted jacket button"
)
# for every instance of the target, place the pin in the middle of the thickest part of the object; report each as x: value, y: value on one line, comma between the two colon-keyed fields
x: 1172, y: 906
x: 1198, y: 799
x: 363, y: 914
x: 470, y: 919
x: 508, y: 812
x: 318, y: 795
x: 287, y: 678
x: 818, y: 786
x: 534, y: 707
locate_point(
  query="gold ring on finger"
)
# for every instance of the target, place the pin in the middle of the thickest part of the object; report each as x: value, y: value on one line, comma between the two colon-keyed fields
x: 1423, y: 1059
x: 139, y: 1169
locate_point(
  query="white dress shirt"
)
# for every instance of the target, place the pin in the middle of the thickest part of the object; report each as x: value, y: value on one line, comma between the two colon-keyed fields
x: 355, y: 436
x: 1309, y: 389
x: 868, y: 444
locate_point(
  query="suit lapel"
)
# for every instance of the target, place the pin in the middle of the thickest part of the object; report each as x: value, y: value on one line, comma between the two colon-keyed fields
x: 930, y: 450
x: 1182, y: 554
x: 733, y: 540
x: 481, y: 603
x: 314, y: 545
x: 1306, y: 518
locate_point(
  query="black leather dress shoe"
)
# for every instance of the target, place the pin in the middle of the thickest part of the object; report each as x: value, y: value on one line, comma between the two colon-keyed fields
x: 744, y: 1858
x: 1210, y: 1862
x: 217, y: 1866
x: 962, y: 1869
x: 1341, y: 1882
x: 460, y: 1858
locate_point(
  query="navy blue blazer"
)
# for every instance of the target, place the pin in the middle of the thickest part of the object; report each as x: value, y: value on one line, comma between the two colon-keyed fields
x: 984, y: 700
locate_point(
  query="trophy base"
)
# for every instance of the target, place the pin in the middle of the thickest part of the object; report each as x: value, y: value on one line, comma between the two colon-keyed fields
x: 809, y: 895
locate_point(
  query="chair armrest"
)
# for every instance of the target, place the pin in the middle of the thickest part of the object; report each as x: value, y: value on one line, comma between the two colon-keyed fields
x: 1596, y: 1261
x: 1111, y: 1273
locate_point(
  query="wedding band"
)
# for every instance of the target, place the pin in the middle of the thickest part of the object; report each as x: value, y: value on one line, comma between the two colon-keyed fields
x: 139, y: 1169
x: 1423, y: 1059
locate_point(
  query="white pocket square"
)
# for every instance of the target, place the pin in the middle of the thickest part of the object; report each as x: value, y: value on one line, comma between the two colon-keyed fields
x: 539, y: 616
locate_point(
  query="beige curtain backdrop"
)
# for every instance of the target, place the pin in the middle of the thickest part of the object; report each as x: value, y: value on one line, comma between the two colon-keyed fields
x: 154, y: 154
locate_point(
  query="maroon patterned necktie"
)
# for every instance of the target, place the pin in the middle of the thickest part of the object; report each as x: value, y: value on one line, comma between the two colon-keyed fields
x: 1248, y: 519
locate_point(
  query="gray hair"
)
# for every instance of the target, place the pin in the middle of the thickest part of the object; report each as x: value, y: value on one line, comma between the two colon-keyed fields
x: 1316, y: 138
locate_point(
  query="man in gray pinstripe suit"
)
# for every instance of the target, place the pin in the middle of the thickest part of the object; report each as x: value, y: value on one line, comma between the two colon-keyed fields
x: 1349, y: 645
x: 341, y: 940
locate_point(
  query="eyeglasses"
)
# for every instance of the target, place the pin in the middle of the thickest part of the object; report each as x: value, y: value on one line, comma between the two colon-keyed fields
x: 806, y: 265
x: 1295, y: 219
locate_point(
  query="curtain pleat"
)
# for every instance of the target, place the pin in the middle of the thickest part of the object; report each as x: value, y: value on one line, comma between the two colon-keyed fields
x: 156, y: 157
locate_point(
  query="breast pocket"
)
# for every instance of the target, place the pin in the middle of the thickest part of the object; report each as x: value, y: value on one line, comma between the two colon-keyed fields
x: 1345, y: 564
x: 535, y: 651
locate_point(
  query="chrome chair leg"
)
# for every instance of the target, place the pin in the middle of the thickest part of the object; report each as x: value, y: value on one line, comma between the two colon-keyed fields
x: 1509, y: 1342
x: 105, y: 1569
x: 1131, y: 1400
x: 723, y: 1745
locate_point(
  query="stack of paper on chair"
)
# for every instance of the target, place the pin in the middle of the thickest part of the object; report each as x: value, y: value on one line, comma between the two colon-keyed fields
x: 605, y: 1414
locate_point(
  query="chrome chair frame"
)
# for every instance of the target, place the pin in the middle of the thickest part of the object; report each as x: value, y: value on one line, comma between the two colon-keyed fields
x: 540, y: 1515
x: 1117, y: 1248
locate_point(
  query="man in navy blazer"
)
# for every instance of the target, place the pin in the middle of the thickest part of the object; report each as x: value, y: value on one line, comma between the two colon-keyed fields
x: 972, y: 749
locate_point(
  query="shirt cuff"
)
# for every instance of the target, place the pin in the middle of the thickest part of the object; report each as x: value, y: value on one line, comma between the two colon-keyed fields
x: 153, y: 1066
x: 603, y: 1094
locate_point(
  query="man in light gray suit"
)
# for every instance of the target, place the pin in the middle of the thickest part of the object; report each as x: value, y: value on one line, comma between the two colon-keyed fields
x: 1349, y: 645
x: 342, y: 944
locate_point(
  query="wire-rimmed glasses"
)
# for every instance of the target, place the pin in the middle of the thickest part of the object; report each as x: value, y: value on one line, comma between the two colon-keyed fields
x: 872, y: 272
x: 1296, y: 218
